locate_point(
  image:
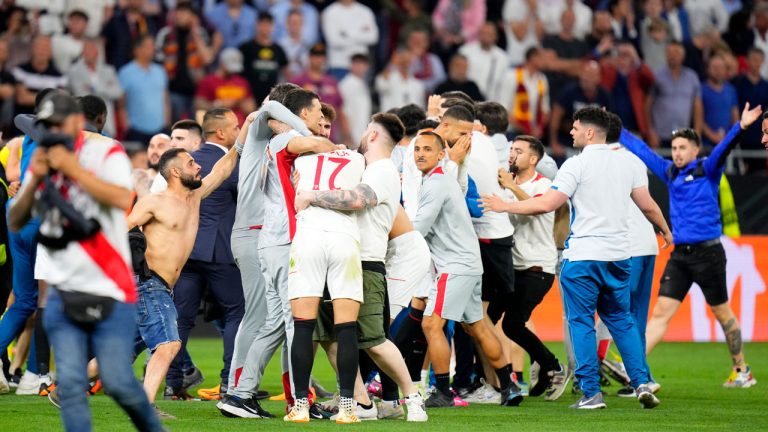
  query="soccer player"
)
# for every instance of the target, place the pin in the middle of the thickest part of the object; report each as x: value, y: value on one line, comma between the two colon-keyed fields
x: 596, y: 265
x: 698, y: 256
x: 443, y: 219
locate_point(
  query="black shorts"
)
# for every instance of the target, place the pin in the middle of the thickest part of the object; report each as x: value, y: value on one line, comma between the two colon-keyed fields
x: 498, y: 272
x: 703, y: 265
x: 531, y: 286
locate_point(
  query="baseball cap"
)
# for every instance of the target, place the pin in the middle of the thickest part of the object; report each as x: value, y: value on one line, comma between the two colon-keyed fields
x: 317, y: 49
x: 232, y: 60
x: 56, y: 107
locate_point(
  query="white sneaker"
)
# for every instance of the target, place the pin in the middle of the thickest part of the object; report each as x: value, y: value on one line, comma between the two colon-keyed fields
x: 348, y: 410
x: 4, y: 388
x: 390, y: 410
x: 29, y: 385
x: 299, y: 412
x: 484, y: 394
x: 361, y: 413
x: 416, y: 410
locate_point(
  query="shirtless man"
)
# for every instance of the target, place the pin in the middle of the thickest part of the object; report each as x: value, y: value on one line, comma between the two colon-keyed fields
x: 170, y: 220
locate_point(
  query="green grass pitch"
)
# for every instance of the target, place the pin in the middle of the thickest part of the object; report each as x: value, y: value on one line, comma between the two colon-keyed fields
x: 692, y: 399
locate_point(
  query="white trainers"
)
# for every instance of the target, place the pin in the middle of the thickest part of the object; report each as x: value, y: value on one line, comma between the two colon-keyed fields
x: 740, y: 378
x: 416, y: 410
x: 359, y: 411
x: 390, y: 410
x: 29, y: 385
x: 646, y: 397
x: 347, y: 408
x: 484, y: 394
x: 299, y: 412
x: 4, y: 388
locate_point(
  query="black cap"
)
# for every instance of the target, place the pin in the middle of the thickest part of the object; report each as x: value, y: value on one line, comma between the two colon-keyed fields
x: 317, y: 49
x: 56, y: 107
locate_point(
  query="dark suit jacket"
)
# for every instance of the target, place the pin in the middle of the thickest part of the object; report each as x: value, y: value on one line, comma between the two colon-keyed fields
x: 217, y: 212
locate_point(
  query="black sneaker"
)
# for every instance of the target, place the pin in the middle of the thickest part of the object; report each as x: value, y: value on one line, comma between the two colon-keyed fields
x: 626, y: 392
x: 192, y: 378
x: 13, y: 381
x: 318, y: 414
x: 512, y: 395
x: 439, y: 400
x: 242, y: 408
x: 178, y: 395
x: 263, y: 394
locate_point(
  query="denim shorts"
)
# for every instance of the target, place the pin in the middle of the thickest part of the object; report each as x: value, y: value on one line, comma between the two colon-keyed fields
x: 155, y: 313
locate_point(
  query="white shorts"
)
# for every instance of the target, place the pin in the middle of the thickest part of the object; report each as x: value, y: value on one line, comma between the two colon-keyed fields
x: 320, y: 257
x: 408, y: 269
x: 456, y: 298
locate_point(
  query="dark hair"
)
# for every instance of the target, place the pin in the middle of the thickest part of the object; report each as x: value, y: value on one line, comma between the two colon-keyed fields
x: 294, y: 11
x: 42, y: 94
x: 530, y: 52
x: 454, y: 102
x: 140, y: 40
x: 456, y: 94
x: 493, y: 116
x: 361, y: 58
x: 279, y: 91
x: 438, y: 139
x: 329, y: 112
x: 534, y: 143
x: 214, y: 115
x: 78, y: 12
x: 675, y: 42
x: 392, y: 124
x: 92, y: 106
x: 265, y: 16
x: 688, y: 134
x: 614, y: 128
x: 427, y: 124
x: 299, y: 99
x: 755, y: 50
x: 459, y: 113
x: 165, y: 160
x: 594, y: 116
x: 411, y: 115
x: 189, y: 125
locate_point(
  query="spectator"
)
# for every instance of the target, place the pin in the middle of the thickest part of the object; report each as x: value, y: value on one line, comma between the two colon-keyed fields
x: 675, y: 100
x: 145, y: 109
x: 425, y: 66
x: 601, y: 39
x: 411, y: 115
x: 317, y: 80
x: 623, y: 20
x: 456, y: 23
x: 123, y: 29
x: 654, y: 36
x: 234, y: 20
x: 525, y: 95
x: 263, y: 59
x: 98, y: 11
x: 19, y: 35
x: 38, y: 74
x: 357, y: 95
x: 703, y: 14
x: 310, y: 29
x: 138, y: 158
x: 523, y: 27
x: 349, y: 28
x: 186, y: 134
x: 720, y: 103
x: 458, y: 80
x: 90, y: 75
x: 740, y: 35
x: 293, y: 45
x: 628, y: 81
x: 487, y: 62
x: 753, y: 89
x: 760, y: 17
x: 566, y: 46
x: 68, y: 47
x: 575, y: 96
x: 551, y: 11
x: 7, y: 91
x: 185, y: 50
x: 677, y: 17
x: 408, y: 15
x: 226, y: 88
x: 396, y: 84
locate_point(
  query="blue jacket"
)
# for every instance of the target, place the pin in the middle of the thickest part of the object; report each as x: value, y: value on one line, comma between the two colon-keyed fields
x: 217, y: 212
x: 694, y: 208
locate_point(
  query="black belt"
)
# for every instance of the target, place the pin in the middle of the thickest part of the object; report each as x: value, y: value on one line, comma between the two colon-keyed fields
x: 690, y: 247
x: 374, y: 266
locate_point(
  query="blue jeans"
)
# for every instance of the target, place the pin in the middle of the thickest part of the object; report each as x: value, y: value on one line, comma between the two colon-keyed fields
x: 601, y: 286
x: 24, y: 250
x: 640, y: 282
x: 111, y: 340
x: 155, y: 315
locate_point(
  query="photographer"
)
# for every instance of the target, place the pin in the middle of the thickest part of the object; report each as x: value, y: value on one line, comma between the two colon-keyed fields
x: 80, y: 187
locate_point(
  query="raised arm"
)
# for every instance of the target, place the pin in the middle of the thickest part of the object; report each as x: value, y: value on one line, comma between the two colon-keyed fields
x: 21, y: 206
x: 301, y: 145
x: 652, y: 212
x: 220, y: 172
x: 657, y: 164
x: 550, y: 201
x: 715, y: 163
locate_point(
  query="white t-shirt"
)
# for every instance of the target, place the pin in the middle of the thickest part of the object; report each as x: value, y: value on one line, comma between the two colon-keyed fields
x: 159, y: 184
x: 598, y: 182
x: 534, y: 235
x: 642, y: 237
x: 340, y: 169
x: 486, y: 68
x: 483, y: 166
x: 349, y: 29
x: 357, y: 103
x: 376, y: 223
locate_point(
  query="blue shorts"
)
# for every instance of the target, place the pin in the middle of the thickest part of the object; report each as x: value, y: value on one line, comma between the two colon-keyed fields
x: 155, y: 314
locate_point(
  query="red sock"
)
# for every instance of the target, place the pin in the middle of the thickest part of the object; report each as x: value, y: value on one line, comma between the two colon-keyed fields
x: 602, y: 349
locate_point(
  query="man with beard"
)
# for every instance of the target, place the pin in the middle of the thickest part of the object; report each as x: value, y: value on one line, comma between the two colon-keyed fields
x: 169, y: 221
x: 143, y: 179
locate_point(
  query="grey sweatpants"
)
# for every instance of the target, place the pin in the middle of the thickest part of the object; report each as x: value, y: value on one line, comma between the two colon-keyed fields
x: 277, y: 327
x: 246, y: 253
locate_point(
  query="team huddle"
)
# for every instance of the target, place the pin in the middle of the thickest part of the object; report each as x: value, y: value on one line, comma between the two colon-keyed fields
x: 436, y: 235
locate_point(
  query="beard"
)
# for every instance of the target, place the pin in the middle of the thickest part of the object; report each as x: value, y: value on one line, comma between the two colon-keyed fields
x: 514, y: 169
x: 190, y: 182
x: 153, y: 166
x: 363, y: 147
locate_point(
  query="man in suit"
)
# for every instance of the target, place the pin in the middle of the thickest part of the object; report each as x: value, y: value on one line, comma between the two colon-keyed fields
x: 211, y: 268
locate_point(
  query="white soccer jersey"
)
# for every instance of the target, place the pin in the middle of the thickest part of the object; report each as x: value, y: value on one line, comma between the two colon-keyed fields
x: 340, y: 169
x: 534, y: 240
x: 376, y: 223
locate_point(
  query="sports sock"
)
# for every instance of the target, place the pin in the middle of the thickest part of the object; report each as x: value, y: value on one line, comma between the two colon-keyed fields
x: 389, y: 390
x: 443, y: 383
x: 347, y: 357
x: 301, y: 355
x: 505, y: 376
x: 519, y: 376
x: 412, y: 343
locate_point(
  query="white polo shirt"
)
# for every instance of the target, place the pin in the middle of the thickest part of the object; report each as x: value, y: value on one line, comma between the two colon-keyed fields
x: 642, y: 237
x: 598, y: 182
x: 483, y: 166
x: 534, y: 234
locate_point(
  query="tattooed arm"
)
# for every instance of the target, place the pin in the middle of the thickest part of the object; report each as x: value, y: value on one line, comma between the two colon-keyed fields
x: 359, y: 198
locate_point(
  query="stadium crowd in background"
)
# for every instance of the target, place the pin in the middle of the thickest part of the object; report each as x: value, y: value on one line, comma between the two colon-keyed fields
x: 392, y: 259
